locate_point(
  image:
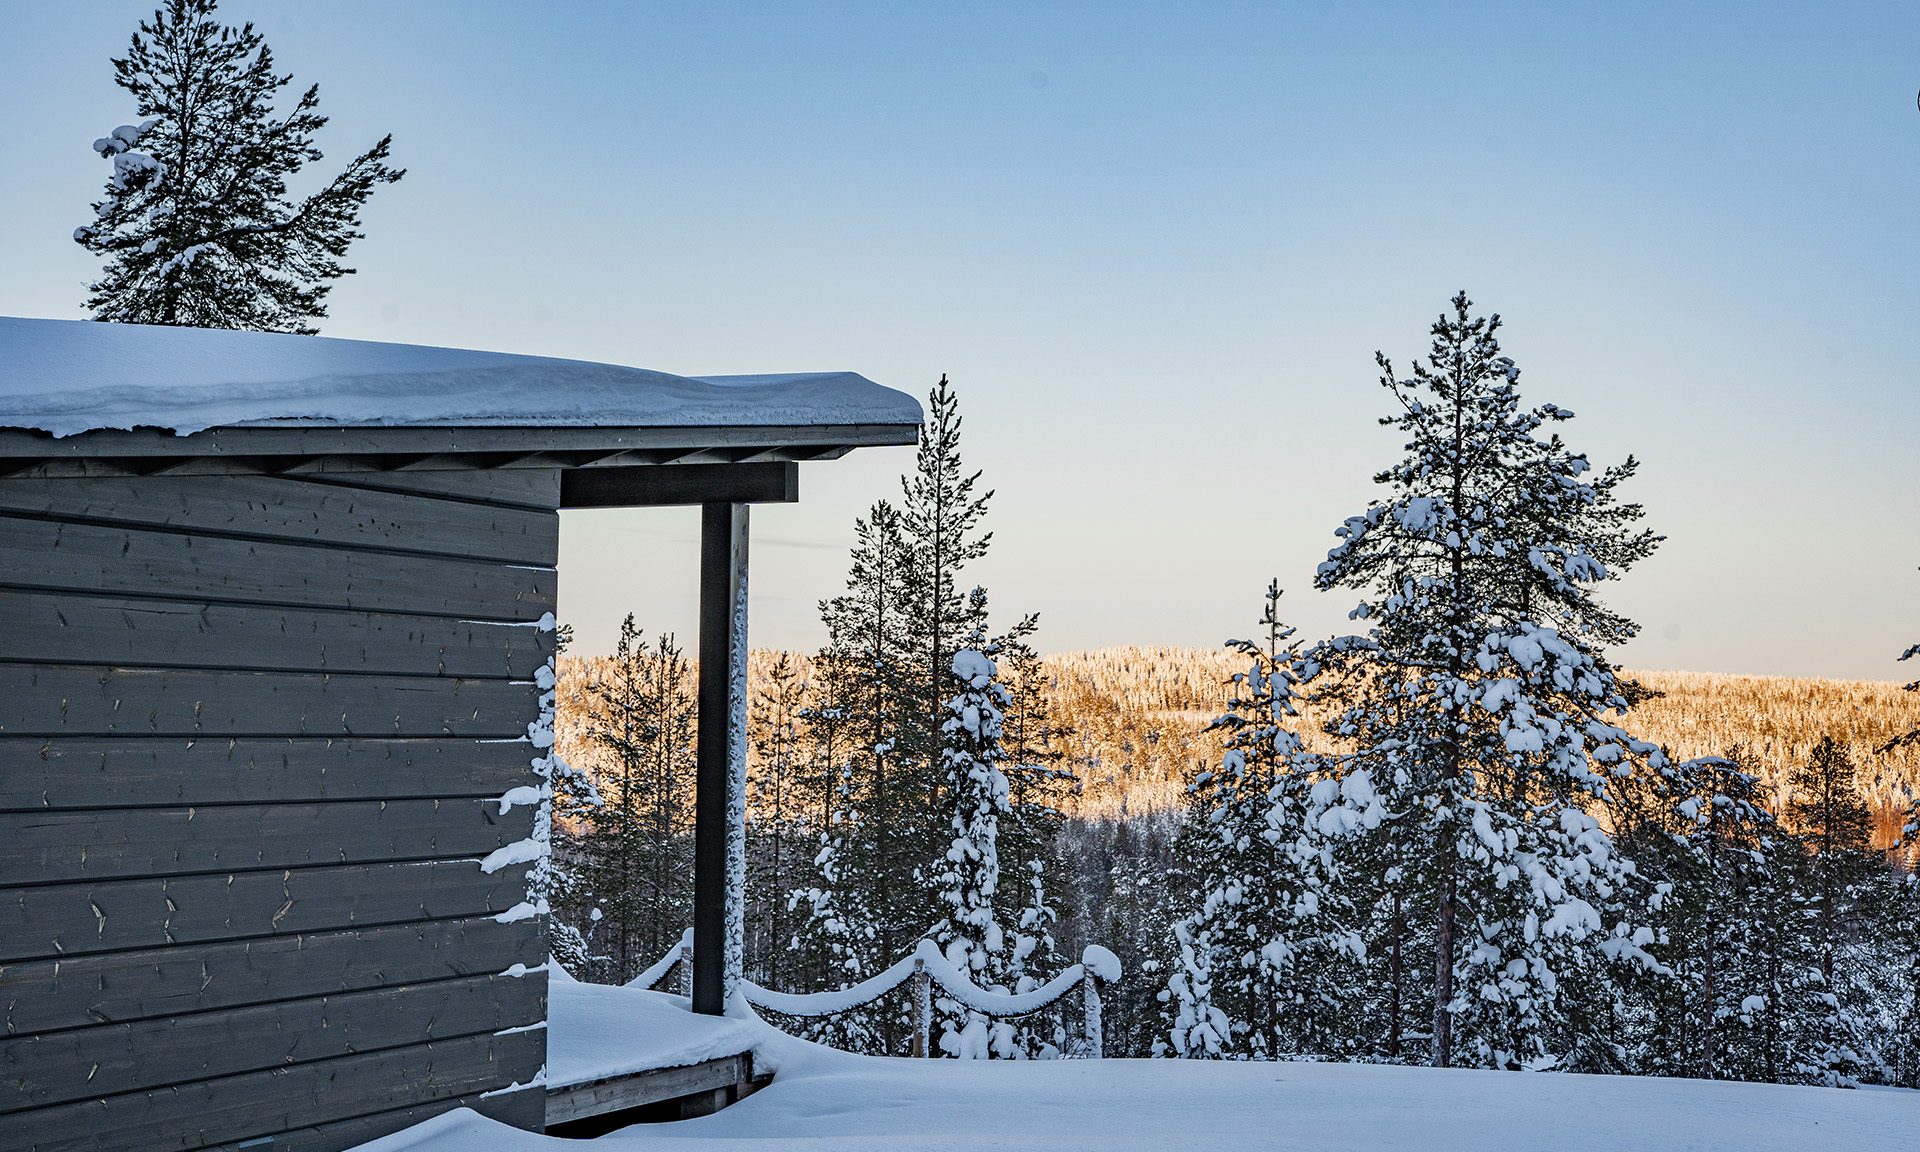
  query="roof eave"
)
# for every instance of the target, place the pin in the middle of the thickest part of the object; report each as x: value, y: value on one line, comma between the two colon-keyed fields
x: 298, y: 449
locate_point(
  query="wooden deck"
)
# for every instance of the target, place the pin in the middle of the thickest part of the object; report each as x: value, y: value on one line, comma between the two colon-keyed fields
x: 657, y: 1094
x: 618, y: 1056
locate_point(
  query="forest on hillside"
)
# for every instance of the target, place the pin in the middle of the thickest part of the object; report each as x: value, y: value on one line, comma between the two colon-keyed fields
x: 1457, y: 835
x: 1133, y: 723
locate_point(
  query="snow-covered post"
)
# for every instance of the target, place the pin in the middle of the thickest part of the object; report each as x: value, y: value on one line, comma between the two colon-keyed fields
x: 736, y: 962
x: 719, y: 857
x: 1090, y: 987
x: 922, y: 1008
x: 1099, y: 966
x: 686, y: 965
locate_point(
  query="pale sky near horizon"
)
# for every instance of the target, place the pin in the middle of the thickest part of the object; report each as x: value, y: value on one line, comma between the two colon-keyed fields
x: 1155, y: 247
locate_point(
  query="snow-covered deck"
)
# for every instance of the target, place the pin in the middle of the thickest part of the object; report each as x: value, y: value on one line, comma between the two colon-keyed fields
x: 823, y: 1099
x: 611, y: 1048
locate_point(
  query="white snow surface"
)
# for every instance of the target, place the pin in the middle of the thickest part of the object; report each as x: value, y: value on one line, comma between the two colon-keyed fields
x: 71, y: 376
x: 599, y: 1030
x: 822, y: 1099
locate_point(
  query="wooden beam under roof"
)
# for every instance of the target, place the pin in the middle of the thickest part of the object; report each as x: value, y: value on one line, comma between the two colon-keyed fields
x: 644, y: 485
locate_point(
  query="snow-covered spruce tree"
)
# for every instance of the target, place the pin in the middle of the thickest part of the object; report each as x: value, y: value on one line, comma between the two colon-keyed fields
x: 1039, y: 784
x: 968, y: 877
x: 942, y: 512
x: 838, y: 931
x: 880, y: 820
x: 1479, y: 696
x: 1196, y: 1028
x: 940, y: 516
x: 1279, y: 925
x: 197, y: 225
x: 1844, y: 877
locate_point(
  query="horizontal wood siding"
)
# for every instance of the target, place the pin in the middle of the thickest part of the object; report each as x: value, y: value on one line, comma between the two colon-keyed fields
x: 73, y: 628
x: 80, y: 772
x: 253, y: 732
x: 282, y: 508
x: 271, y: 1100
x: 103, y: 844
x: 46, y: 996
x: 50, y: 556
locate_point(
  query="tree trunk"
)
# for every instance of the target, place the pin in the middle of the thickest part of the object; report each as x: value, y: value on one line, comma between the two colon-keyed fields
x: 1396, y: 976
x: 1443, y: 967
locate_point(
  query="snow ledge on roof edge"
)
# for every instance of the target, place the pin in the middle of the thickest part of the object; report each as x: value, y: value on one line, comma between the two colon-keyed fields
x: 66, y: 377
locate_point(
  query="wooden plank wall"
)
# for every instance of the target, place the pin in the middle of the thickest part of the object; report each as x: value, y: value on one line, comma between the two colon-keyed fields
x: 251, y: 731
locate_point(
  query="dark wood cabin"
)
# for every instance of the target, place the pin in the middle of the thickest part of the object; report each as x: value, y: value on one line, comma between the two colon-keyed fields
x: 270, y: 623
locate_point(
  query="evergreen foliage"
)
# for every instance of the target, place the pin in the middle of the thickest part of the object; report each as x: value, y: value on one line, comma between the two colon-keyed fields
x: 881, y: 714
x: 779, y: 825
x: 1479, y: 697
x: 1843, y: 882
x: 197, y: 224
x: 567, y: 797
x: 635, y: 849
x: 1268, y: 956
x: 969, y: 875
x: 1433, y: 839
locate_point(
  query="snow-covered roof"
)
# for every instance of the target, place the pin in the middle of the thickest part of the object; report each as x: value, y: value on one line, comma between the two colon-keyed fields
x: 67, y: 377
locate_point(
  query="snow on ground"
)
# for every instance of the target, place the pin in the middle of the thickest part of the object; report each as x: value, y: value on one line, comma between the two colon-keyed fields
x: 605, y: 1030
x: 72, y: 376
x: 822, y: 1099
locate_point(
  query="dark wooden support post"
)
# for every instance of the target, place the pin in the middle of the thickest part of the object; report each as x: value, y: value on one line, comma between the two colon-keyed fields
x: 723, y: 579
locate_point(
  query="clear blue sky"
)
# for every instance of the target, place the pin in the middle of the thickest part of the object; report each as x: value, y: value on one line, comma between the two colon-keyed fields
x: 1155, y: 247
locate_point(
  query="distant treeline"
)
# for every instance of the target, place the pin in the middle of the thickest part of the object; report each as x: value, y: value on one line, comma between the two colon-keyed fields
x: 1133, y: 723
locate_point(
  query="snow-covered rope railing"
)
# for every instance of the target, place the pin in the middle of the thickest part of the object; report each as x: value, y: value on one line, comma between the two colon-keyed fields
x: 925, y: 968
x: 680, y: 956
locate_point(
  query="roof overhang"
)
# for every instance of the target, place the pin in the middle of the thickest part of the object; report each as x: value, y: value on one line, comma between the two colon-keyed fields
x: 298, y: 450
x: 81, y: 398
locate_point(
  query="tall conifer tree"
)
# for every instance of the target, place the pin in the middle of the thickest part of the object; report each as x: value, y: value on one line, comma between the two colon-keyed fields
x: 940, y: 518
x: 1479, y: 697
x: 197, y: 224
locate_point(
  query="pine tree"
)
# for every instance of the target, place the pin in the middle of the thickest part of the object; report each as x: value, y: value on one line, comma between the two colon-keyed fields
x: 197, y: 225
x: 1779, y: 1019
x: 1039, y: 785
x: 1843, y: 875
x: 1270, y: 904
x: 865, y: 906
x: 940, y: 516
x: 969, y: 876
x: 1479, y: 697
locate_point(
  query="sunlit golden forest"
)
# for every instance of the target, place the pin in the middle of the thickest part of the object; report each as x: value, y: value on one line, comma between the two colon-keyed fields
x: 1136, y: 722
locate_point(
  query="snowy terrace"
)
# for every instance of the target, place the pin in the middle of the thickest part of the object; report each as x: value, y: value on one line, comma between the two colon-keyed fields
x: 824, y: 1099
